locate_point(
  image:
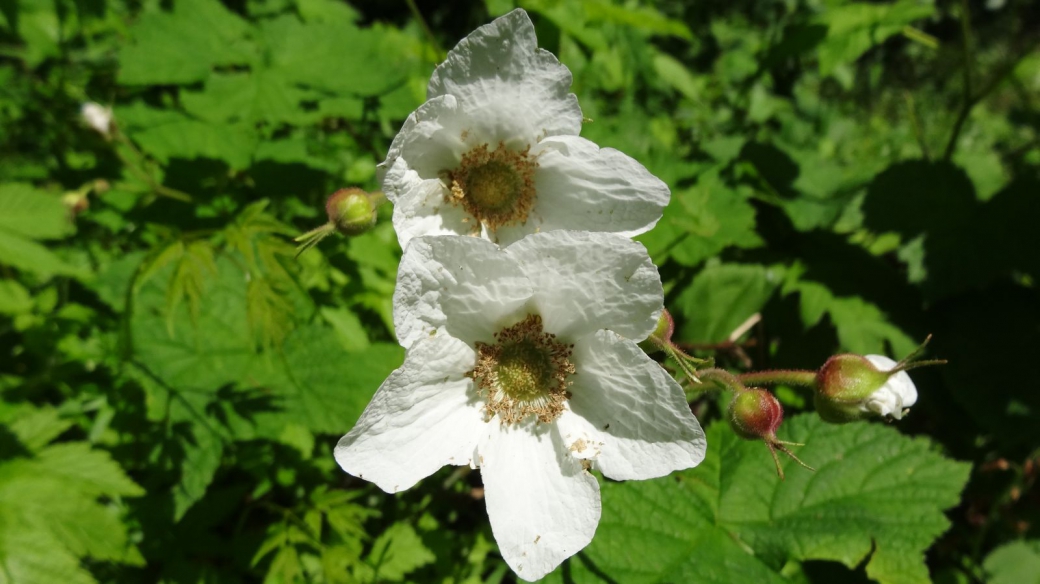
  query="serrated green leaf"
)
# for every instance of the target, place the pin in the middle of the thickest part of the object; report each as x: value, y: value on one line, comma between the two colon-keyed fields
x: 397, y: 552
x: 49, y: 514
x: 33, y: 214
x: 1014, y: 563
x: 369, y: 61
x: 183, y: 45
x: 876, y: 496
x: 324, y: 388
x: 722, y: 297
x: 34, y: 427
x: 855, y: 27
x: 260, y: 96
x: 701, y: 221
x: 179, y: 136
x: 202, y: 453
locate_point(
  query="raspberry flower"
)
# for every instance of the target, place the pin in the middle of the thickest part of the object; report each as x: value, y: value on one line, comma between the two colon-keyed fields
x: 851, y: 387
x: 495, y: 150
x: 523, y: 361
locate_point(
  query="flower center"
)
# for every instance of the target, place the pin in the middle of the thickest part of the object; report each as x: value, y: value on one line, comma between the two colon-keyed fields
x: 495, y: 187
x: 524, y: 373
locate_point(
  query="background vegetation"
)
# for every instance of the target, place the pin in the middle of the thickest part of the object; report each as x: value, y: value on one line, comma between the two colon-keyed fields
x: 173, y: 382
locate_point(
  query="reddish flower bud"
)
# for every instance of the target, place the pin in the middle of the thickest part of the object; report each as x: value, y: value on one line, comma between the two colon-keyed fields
x: 755, y: 414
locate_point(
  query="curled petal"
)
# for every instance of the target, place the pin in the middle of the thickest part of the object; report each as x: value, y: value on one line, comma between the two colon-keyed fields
x: 425, y: 415
x: 629, y: 411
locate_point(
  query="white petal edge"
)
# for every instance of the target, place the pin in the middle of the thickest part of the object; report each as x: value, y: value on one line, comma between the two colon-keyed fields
x: 424, y: 416
x: 543, y: 506
x: 584, y: 282
x: 897, y: 394
x: 466, y: 286
x: 499, y: 68
x: 627, y: 414
x: 420, y: 208
x: 584, y: 187
x: 430, y: 141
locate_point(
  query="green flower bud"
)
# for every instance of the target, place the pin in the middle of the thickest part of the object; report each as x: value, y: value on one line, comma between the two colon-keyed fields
x: 661, y: 338
x: 853, y: 387
x: 755, y: 414
x: 351, y: 211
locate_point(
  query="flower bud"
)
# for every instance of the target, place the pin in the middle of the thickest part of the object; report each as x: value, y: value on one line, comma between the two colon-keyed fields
x: 755, y: 414
x: 853, y: 387
x: 661, y: 338
x: 97, y: 117
x: 351, y: 210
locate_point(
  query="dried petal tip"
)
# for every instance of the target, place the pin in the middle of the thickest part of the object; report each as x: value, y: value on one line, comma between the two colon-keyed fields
x: 351, y: 210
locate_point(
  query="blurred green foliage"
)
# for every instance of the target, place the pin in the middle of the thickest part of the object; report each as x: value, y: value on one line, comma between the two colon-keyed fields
x: 846, y: 176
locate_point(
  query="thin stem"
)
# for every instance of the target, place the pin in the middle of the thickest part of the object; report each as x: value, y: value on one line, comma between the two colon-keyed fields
x: 722, y: 379
x: 911, y: 108
x: 971, y: 100
x: 425, y: 27
x: 801, y: 377
x: 921, y: 37
x: 159, y: 189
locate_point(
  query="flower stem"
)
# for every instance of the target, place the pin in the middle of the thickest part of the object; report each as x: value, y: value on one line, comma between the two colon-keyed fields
x: 779, y: 376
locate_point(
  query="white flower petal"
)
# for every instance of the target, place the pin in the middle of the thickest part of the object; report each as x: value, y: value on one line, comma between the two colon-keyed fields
x: 507, y: 85
x: 425, y: 415
x: 630, y: 410
x: 430, y: 141
x: 584, y: 187
x: 897, y: 394
x: 584, y: 282
x: 466, y: 285
x: 543, y: 506
x: 420, y: 208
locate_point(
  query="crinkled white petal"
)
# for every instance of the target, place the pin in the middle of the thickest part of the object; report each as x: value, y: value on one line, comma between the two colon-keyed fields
x: 582, y: 186
x: 468, y: 286
x: 420, y: 208
x: 584, y: 282
x: 506, y: 84
x: 543, y: 506
x: 626, y: 413
x: 425, y: 415
x: 430, y: 142
x: 897, y: 394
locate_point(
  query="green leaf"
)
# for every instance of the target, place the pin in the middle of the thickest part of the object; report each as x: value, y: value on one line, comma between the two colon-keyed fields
x: 200, y: 352
x: 722, y: 297
x: 183, y: 45
x: 855, y: 27
x: 368, y: 61
x: 179, y: 136
x: 701, y: 221
x: 27, y: 255
x: 1014, y: 563
x: 260, y: 96
x: 876, y: 496
x: 202, y: 453
x: 323, y: 388
x: 397, y: 552
x: 33, y: 214
x: 14, y: 298
x: 50, y: 517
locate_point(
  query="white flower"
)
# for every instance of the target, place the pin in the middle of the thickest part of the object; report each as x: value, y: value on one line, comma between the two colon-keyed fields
x: 98, y: 117
x: 495, y: 150
x: 523, y: 361
x: 897, y: 394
